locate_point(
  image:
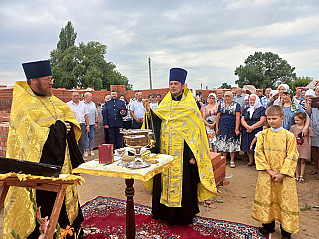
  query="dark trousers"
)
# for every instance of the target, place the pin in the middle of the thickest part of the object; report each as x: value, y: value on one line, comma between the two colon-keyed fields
x: 115, y: 137
x: 107, y: 135
x: 137, y: 125
x: 82, y: 139
x: 271, y: 226
x: 127, y: 124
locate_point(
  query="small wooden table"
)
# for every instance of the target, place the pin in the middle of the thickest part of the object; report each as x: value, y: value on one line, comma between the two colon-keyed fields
x: 94, y: 168
x: 41, y: 183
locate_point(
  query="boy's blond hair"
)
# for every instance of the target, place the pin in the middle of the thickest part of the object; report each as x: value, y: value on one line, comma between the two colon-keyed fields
x: 275, y: 110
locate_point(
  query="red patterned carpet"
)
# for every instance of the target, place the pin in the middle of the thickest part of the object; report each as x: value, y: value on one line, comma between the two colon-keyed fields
x: 105, y: 218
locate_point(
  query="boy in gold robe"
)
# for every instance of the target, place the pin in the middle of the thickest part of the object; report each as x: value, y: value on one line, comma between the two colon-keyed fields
x: 276, y: 158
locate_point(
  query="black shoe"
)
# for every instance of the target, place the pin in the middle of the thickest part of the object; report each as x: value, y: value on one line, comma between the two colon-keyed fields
x: 250, y: 165
x: 262, y: 231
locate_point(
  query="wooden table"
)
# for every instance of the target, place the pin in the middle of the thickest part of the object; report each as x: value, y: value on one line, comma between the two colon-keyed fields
x: 41, y: 183
x: 94, y: 168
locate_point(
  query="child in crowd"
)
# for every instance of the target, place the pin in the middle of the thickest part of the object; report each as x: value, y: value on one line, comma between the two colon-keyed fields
x: 265, y: 126
x: 303, y: 144
x: 276, y: 158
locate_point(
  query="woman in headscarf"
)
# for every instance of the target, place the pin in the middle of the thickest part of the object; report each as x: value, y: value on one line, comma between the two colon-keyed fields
x: 314, y: 124
x: 291, y: 107
x: 252, y: 120
x: 209, y: 116
x: 281, y: 88
x: 308, y: 95
x: 246, y: 102
x: 227, y: 127
x: 273, y: 96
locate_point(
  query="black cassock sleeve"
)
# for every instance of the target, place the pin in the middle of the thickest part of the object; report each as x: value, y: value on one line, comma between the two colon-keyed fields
x: 54, y: 148
x: 155, y: 123
x: 54, y: 153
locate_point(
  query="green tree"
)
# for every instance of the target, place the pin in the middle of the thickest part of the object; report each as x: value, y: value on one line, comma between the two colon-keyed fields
x: 264, y: 70
x: 226, y: 86
x: 301, y: 82
x: 84, y: 65
x: 67, y: 37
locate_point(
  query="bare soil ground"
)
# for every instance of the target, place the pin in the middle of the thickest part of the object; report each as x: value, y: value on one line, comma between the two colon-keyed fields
x: 234, y: 203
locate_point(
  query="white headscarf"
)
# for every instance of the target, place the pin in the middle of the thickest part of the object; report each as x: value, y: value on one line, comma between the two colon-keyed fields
x: 283, y: 85
x: 310, y: 92
x: 212, y: 94
x: 273, y: 93
x: 257, y: 104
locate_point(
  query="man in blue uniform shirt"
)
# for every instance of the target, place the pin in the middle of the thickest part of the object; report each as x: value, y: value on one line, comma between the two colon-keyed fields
x: 112, y: 112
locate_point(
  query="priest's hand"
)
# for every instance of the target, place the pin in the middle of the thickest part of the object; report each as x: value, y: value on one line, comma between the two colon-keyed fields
x: 147, y: 106
x: 192, y: 161
x: 68, y: 126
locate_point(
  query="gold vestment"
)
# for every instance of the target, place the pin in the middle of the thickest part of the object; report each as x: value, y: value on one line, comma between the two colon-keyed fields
x: 30, y: 119
x: 182, y: 122
x: 277, y: 201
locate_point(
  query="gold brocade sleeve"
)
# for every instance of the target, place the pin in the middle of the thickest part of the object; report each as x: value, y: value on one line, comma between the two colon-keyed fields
x: 260, y: 158
x: 290, y: 162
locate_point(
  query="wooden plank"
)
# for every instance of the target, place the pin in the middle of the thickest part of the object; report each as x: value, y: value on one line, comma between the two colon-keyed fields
x: 4, y: 192
x: 55, y: 212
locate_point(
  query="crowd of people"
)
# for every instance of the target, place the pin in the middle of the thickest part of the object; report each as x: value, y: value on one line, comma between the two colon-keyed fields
x: 234, y: 118
x: 121, y: 113
x: 233, y: 121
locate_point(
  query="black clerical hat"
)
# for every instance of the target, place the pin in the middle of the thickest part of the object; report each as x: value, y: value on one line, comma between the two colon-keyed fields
x: 178, y: 74
x: 37, y: 69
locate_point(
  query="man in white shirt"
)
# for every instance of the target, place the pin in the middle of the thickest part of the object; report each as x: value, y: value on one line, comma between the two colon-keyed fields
x: 134, y: 99
x: 137, y: 111
x: 80, y: 111
x: 220, y: 96
x: 264, y: 100
x: 240, y: 97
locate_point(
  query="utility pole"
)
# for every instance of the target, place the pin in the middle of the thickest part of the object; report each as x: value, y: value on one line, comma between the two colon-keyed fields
x: 149, y: 71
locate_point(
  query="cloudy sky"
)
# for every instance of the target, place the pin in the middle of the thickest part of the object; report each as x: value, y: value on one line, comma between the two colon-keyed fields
x: 208, y: 38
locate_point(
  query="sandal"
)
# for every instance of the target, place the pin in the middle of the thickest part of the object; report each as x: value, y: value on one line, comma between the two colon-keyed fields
x: 232, y: 164
x: 297, y: 178
x: 301, y: 179
x: 313, y: 172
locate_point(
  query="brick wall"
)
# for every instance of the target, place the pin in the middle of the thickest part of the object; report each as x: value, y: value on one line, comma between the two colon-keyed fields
x: 4, y: 129
x: 6, y: 94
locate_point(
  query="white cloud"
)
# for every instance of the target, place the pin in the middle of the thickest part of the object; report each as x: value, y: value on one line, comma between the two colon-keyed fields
x: 208, y: 38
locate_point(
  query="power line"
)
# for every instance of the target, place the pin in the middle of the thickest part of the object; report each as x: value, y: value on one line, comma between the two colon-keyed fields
x: 167, y: 70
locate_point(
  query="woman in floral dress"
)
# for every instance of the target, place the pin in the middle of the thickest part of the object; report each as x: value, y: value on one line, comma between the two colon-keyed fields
x: 209, y: 116
x: 227, y: 127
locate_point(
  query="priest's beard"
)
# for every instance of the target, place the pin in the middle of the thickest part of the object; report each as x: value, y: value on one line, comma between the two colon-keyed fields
x: 44, y: 89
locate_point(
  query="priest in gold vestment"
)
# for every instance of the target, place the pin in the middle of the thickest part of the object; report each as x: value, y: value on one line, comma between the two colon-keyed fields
x: 276, y: 158
x: 42, y: 129
x: 179, y: 131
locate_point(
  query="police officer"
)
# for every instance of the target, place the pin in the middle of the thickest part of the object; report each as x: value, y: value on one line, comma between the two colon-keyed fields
x: 112, y: 112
